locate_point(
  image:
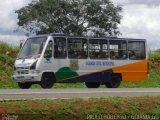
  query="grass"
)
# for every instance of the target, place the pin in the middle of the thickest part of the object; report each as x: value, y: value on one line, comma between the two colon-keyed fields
x: 97, y: 109
x: 79, y: 109
x: 134, y: 105
x: 117, y: 103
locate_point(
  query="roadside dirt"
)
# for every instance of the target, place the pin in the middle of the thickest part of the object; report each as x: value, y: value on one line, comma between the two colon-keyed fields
x: 146, y: 103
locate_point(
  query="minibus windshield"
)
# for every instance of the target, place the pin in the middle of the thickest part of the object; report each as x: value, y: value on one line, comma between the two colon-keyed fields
x: 32, y: 48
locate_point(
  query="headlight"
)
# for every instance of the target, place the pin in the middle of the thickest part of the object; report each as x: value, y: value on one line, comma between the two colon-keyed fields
x: 33, y: 72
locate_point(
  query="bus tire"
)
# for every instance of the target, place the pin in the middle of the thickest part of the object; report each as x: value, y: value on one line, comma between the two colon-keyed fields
x: 114, y: 82
x: 47, y: 80
x: 92, y: 84
x: 24, y: 85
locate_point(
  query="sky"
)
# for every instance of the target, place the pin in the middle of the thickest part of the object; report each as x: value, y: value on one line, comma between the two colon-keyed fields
x: 140, y: 19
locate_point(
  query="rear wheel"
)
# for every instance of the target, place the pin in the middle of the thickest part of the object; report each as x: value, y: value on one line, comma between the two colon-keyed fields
x: 114, y: 82
x: 92, y: 84
x: 47, y: 80
x: 24, y: 85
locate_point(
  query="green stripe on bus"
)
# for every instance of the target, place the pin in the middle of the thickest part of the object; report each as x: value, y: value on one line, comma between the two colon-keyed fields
x: 65, y: 73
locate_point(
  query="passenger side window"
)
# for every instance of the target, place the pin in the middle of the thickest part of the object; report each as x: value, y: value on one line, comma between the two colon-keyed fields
x: 60, y: 47
x: 118, y: 49
x: 48, y: 52
x: 98, y: 48
x: 77, y: 48
x: 136, y: 50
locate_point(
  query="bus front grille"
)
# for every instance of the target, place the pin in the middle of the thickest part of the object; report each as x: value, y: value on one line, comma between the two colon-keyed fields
x: 23, y: 71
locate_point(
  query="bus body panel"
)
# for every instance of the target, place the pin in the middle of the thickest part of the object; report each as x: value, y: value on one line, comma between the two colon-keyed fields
x: 82, y: 70
x: 133, y: 72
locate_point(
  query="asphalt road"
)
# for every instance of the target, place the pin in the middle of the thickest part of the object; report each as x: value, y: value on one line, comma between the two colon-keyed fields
x: 24, y: 94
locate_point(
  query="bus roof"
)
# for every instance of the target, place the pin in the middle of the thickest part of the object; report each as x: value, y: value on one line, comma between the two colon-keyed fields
x: 104, y: 37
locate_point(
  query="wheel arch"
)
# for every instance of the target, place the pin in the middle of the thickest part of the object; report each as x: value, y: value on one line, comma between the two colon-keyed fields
x: 114, y: 80
x: 118, y: 74
x: 49, y: 72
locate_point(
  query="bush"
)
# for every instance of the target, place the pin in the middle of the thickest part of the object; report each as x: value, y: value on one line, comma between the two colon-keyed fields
x: 8, y: 49
x: 5, y: 59
x: 8, y: 55
x: 154, y: 55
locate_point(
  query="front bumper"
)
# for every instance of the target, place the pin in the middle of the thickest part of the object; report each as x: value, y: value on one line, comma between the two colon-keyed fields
x: 27, y: 78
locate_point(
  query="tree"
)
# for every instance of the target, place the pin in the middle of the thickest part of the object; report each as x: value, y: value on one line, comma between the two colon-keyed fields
x: 76, y: 17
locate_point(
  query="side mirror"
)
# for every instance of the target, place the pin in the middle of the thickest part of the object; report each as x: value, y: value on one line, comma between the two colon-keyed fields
x: 20, y: 46
x: 21, y: 43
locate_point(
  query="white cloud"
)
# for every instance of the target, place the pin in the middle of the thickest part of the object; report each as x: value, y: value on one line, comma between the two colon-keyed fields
x: 141, y: 21
x: 12, y: 39
x: 8, y: 18
x: 144, y: 2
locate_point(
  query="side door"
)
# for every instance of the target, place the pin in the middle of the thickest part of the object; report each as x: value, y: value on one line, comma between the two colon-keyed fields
x: 61, y: 61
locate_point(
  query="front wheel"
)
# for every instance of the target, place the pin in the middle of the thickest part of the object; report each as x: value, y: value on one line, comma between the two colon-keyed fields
x: 114, y: 82
x: 92, y: 84
x: 24, y: 85
x: 47, y: 80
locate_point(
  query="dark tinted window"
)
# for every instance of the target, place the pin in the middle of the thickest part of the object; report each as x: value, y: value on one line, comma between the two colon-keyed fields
x: 118, y: 49
x: 77, y: 48
x: 98, y: 48
x: 136, y: 50
x: 60, y: 47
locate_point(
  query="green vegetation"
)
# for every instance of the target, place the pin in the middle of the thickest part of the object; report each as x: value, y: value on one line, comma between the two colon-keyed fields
x: 8, y: 54
x: 134, y: 105
x: 79, y: 109
x: 7, y: 58
x: 70, y: 17
x: 154, y: 55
